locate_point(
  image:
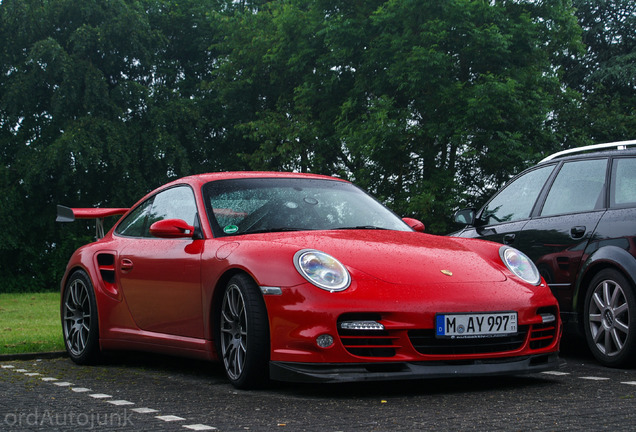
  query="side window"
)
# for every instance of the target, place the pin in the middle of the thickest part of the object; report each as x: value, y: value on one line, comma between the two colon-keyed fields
x: 516, y: 200
x: 174, y: 203
x: 135, y: 223
x: 578, y: 187
x: 623, y: 190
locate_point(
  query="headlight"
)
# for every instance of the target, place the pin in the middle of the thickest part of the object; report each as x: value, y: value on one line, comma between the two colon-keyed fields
x: 322, y: 270
x: 520, y: 264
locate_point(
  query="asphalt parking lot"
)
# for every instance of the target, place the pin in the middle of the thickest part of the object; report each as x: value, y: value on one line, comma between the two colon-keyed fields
x: 133, y: 392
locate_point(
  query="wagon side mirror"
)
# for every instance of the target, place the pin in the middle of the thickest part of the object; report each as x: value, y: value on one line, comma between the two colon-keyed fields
x: 414, y: 223
x: 465, y: 216
x: 172, y: 228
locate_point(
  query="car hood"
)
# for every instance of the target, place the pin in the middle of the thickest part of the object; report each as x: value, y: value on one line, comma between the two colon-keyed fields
x: 400, y: 257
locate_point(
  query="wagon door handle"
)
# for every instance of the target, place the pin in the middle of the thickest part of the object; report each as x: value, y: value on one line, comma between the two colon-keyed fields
x: 509, y: 239
x: 577, y: 231
x: 126, y: 264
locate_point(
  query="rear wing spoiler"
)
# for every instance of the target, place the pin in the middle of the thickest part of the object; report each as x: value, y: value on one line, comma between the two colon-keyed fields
x: 67, y: 214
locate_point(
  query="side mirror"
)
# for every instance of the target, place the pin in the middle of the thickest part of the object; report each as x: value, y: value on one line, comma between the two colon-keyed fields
x: 414, y: 223
x: 465, y: 216
x: 171, y: 228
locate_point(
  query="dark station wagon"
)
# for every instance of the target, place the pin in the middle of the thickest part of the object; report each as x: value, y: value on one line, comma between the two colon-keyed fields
x: 574, y: 215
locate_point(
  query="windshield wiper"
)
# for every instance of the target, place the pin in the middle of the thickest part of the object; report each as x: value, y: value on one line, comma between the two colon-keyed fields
x: 361, y: 227
x: 281, y: 229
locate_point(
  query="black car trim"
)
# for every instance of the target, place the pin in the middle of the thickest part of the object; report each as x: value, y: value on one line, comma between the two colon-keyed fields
x: 350, y: 372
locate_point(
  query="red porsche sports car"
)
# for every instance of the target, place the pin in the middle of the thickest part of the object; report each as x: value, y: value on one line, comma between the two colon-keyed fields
x: 301, y: 277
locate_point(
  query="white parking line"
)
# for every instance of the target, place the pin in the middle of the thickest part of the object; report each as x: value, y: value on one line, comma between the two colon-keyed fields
x: 144, y: 410
x: 120, y: 402
x: 169, y: 418
x: 629, y: 382
x: 556, y: 373
x: 199, y: 427
x: 105, y: 397
x: 593, y: 378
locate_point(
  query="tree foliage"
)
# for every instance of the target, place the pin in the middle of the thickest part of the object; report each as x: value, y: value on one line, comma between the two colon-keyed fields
x: 428, y: 105
x: 604, y: 75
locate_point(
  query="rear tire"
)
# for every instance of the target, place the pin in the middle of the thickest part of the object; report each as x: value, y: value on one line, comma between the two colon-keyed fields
x: 243, y: 333
x: 80, y: 325
x: 610, y: 319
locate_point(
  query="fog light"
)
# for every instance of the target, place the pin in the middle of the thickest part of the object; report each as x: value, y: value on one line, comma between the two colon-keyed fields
x: 324, y: 341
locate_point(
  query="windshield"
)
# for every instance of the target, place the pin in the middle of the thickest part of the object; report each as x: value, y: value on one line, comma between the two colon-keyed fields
x: 244, y: 206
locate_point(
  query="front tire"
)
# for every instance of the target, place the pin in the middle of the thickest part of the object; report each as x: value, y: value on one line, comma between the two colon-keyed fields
x: 610, y: 319
x: 79, y: 319
x: 243, y: 332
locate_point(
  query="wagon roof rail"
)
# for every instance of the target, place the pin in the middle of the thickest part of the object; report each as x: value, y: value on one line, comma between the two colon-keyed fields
x: 618, y: 145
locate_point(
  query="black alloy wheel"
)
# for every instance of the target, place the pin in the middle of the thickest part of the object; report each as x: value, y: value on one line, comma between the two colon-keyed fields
x: 610, y: 318
x: 243, y: 332
x: 79, y: 319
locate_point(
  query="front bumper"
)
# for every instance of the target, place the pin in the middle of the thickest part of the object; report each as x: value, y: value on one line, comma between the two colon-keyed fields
x: 349, y: 372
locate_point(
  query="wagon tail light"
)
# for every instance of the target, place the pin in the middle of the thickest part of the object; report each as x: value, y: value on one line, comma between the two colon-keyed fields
x: 322, y: 270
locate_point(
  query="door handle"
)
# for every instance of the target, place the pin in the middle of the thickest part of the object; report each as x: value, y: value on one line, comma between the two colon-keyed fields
x: 126, y: 264
x: 578, y: 231
x: 509, y: 239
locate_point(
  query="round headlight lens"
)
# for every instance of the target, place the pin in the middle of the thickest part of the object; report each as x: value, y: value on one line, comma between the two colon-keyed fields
x: 322, y: 270
x: 520, y: 265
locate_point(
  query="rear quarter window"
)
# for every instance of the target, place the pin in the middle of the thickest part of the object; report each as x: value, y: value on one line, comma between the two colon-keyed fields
x: 623, y: 190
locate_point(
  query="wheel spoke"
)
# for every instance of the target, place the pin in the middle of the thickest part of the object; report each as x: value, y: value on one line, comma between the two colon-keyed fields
x: 622, y: 327
x: 599, y: 335
x: 616, y: 296
x: 597, y: 301
x: 607, y: 343
x: 606, y: 294
x: 618, y: 343
x: 620, y: 310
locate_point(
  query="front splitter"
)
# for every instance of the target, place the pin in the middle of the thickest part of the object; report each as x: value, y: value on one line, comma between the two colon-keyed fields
x: 383, y: 371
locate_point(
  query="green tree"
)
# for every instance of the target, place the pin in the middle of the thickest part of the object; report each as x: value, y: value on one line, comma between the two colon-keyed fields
x: 418, y: 101
x: 99, y: 103
x: 604, y: 75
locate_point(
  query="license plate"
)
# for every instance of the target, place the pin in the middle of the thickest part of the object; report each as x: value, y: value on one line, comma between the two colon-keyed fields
x: 472, y: 325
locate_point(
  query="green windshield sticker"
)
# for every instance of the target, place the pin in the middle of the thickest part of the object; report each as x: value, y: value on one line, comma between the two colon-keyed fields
x: 230, y: 229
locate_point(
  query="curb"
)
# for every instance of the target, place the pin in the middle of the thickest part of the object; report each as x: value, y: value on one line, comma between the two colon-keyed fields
x: 33, y: 356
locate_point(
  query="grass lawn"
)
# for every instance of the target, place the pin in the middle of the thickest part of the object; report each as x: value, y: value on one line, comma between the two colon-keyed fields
x: 30, y: 323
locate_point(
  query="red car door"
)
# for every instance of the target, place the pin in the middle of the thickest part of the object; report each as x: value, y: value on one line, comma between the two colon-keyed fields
x: 161, y: 277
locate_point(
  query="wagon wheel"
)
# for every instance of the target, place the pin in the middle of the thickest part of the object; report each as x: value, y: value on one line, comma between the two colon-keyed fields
x: 610, y: 318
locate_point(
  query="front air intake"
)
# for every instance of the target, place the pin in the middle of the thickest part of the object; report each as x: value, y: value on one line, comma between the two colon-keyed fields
x: 364, y: 336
